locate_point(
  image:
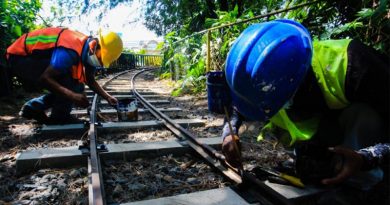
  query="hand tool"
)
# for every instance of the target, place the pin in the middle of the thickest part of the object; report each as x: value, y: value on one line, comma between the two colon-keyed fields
x: 240, y: 168
x: 291, y: 179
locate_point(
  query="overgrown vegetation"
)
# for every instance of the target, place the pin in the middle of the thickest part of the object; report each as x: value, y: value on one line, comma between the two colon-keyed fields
x: 179, y: 21
x: 368, y: 21
x: 16, y: 18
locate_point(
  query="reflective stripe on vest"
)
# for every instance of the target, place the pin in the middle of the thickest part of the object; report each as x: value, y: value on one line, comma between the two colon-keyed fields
x: 329, y: 64
x: 49, y: 38
x: 41, y: 39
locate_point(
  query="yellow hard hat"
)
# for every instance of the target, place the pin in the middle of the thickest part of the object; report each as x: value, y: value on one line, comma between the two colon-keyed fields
x: 111, y: 47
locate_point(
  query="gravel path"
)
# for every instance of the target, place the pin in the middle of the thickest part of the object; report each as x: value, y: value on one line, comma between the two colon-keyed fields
x: 165, y: 175
x: 144, y: 179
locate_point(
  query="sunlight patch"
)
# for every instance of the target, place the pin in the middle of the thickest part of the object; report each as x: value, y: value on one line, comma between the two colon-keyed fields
x: 21, y: 129
x: 7, y: 117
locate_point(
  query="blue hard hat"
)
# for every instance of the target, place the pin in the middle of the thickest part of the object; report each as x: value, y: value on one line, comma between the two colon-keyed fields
x: 266, y: 65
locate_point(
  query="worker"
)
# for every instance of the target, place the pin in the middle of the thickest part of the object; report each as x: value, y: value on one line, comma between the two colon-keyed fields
x: 332, y: 92
x: 62, y: 61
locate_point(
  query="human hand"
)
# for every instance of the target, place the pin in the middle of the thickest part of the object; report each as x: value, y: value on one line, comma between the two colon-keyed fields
x: 232, y: 151
x: 352, y: 164
x: 80, y: 100
x: 112, y: 100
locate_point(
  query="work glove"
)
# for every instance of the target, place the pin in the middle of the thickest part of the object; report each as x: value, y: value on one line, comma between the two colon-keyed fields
x: 231, y: 148
x: 80, y: 100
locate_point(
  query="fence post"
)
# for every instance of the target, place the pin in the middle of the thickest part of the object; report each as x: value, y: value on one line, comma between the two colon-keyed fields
x: 208, y: 51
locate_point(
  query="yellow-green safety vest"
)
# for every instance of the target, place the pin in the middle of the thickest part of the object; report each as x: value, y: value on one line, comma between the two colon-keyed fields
x: 329, y: 64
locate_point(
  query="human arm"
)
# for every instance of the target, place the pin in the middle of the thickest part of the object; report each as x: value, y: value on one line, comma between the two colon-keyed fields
x: 355, y: 161
x: 48, y: 79
x: 375, y: 155
x: 230, y: 145
x: 60, y: 63
x: 91, y: 82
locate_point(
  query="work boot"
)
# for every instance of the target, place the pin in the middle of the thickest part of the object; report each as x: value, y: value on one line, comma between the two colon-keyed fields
x: 30, y: 113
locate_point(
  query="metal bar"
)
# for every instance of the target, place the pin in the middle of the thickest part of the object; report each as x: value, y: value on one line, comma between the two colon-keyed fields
x: 208, y: 51
x: 96, y: 191
x: 55, y: 130
x: 114, y: 111
x: 210, y: 154
x: 159, y: 102
x: 36, y: 159
x: 126, y: 91
x: 132, y: 96
x: 95, y: 178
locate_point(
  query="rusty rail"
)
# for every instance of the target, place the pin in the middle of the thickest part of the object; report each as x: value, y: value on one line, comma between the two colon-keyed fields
x: 246, y: 179
x: 96, y: 188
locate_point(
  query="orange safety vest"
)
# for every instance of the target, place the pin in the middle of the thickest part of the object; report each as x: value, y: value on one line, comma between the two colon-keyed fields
x: 49, y: 38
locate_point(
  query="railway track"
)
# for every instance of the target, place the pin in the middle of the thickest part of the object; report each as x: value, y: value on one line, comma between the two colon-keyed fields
x: 100, y: 148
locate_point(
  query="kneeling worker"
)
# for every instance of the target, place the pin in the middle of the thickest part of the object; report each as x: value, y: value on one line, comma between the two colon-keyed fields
x: 334, y: 93
x: 62, y: 61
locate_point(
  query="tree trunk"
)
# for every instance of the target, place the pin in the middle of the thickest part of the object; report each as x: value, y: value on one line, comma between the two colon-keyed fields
x: 211, y: 9
x: 240, y: 6
x: 223, y: 5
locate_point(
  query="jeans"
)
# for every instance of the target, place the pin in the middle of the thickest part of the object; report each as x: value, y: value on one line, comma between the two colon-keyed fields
x: 29, y: 69
x: 61, y: 106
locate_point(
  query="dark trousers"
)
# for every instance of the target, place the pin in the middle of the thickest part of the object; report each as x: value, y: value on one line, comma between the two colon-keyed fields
x: 29, y: 69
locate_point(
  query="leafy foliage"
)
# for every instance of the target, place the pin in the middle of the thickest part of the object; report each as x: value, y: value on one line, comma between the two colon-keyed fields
x: 179, y: 20
x: 368, y: 21
x: 164, y: 16
x: 16, y: 18
x: 370, y: 25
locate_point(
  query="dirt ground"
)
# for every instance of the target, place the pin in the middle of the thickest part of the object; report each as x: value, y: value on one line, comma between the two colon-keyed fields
x: 17, y: 134
x: 143, y: 179
x: 70, y: 186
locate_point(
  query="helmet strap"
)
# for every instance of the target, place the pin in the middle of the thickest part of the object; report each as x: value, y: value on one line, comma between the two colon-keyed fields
x: 93, y: 60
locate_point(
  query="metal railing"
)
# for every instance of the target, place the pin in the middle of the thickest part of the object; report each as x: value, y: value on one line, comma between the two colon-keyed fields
x: 131, y: 61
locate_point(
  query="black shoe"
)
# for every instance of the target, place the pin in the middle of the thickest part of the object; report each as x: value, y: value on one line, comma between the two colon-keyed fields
x: 29, y: 113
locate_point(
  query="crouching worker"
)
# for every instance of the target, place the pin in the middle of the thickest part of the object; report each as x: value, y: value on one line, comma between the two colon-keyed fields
x: 62, y: 61
x: 333, y: 94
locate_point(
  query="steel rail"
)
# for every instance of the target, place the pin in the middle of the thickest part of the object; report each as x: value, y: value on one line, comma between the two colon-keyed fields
x: 96, y: 188
x: 204, y: 150
x: 211, y: 155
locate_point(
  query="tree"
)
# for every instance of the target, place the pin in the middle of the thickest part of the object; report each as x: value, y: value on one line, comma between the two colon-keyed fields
x: 16, y: 18
x: 164, y: 16
x: 184, y: 54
